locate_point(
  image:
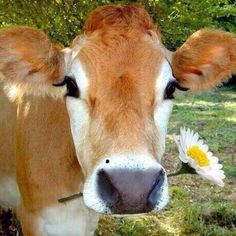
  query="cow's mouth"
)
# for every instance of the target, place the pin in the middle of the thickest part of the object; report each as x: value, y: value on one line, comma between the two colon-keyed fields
x: 127, y: 187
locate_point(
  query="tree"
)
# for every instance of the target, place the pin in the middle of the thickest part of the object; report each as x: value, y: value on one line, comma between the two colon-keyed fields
x: 62, y: 20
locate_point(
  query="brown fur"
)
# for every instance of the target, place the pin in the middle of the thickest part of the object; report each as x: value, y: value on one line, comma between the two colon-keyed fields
x: 29, y: 58
x: 207, y: 58
x: 122, y: 59
x: 119, y: 17
x: 122, y: 89
x: 7, y: 137
x: 47, y: 167
x: 37, y: 154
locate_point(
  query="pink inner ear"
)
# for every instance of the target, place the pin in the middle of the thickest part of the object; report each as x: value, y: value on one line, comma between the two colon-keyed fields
x: 193, y: 70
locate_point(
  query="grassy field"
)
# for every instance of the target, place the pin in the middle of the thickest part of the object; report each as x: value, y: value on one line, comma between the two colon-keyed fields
x: 197, y: 207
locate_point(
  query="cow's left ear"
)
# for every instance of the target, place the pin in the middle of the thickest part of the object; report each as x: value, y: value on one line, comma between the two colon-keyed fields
x: 206, y: 59
x: 30, y: 60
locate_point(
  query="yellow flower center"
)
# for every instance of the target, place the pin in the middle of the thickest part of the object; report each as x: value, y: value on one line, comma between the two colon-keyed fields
x: 198, y: 155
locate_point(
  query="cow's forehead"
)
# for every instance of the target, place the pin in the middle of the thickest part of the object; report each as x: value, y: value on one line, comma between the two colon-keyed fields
x: 116, y: 65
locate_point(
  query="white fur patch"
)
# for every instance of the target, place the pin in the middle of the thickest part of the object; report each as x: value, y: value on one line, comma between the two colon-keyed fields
x: 164, y: 107
x: 79, y: 123
x: 79, y: 117
x: 69, y: 56
x: 78, y: 110
x: 127, y: 161
x: 79, y: 73
x: 72, y: 218
x: 9, y: 193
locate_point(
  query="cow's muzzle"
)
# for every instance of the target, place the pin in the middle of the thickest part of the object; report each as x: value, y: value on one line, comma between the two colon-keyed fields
x: 130, y: 191
x: 127, y: 184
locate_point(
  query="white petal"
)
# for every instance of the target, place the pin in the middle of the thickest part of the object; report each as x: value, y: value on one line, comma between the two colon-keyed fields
x: 182, y: 155
x: 193, y: 163
x: 217, y: 166
x: 212, y: 175
x: 176, y: 139
x: 200, y: 142
x: 185, y: 136
x: 184, y: 158
x: 195, y: 138
x: 204, y: 147
x: 183, y: 139
x: 189, y: 136
x: 213, y: 159
x: 210, y: 154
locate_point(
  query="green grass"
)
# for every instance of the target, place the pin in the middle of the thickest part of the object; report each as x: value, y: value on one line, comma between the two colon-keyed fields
x: 182, y: 217
x: 212, y: 114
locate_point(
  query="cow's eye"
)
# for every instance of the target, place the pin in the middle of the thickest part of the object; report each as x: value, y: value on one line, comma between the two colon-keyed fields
x: 72, y: 88
x: 170, y: 89
x: 71, y: 85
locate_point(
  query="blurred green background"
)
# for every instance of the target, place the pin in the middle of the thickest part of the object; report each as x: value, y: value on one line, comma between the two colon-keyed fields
x: 62, y: 20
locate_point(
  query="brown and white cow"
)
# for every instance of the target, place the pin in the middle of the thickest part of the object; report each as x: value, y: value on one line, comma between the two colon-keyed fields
x: 107, y: 137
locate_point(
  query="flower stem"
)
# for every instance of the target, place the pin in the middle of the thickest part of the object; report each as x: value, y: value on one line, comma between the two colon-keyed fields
x: 185, y: 169
x: 72, y: 197
x: 176, y: 173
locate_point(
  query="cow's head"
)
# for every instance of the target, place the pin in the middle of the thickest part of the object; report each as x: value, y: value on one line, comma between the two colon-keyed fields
x: 120, y: 82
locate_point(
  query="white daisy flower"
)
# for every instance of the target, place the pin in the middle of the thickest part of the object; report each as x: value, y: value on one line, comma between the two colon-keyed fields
x: 196, y: 154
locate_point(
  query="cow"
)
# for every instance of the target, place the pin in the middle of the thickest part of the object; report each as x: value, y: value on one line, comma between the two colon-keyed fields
x: 93, y: 117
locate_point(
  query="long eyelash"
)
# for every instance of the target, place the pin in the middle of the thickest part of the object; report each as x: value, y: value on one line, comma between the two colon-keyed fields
x: 177, y: 85
x: 64, y: 82
x: 170, y: 96
x: 72, y: 87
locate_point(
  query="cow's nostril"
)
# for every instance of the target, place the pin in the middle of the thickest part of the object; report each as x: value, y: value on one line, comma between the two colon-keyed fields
x: 156, y: 191
x: 106, y: 189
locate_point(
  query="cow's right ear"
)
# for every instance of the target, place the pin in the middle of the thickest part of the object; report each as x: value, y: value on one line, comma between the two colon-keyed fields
x: 206, y: 59
x: 30, y: 60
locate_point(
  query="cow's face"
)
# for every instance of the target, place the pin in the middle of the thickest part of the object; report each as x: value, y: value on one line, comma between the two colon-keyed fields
x: 120, y: 89
x: 119, y: 122
x: 120, y: 119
